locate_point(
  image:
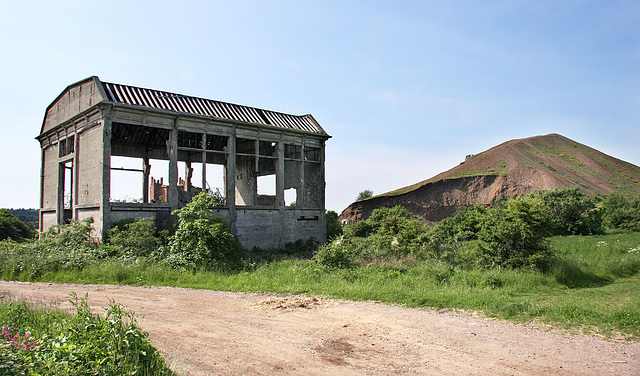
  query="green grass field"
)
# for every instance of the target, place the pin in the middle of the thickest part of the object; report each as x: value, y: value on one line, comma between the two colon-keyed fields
x: 594, y: 286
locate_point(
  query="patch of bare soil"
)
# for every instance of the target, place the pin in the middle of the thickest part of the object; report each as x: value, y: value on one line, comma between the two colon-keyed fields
x: 219, y: 333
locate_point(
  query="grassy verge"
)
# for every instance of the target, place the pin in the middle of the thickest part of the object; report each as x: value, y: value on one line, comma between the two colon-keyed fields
x: 594, y: 286
x: 43, y: 340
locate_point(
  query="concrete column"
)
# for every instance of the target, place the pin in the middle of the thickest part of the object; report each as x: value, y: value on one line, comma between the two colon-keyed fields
x: 76, y: 174
x: 280, y: 192
x: 280, y: 174
x: 323, y: 217
x: 172, y: 151
x: 230, y: 181
x: 106, y: 173
x: 302, y: 193
x: 146, y: 170
x: 40, y: 224
x: 188, y: 174
x: 204, y: 161
x: 60, y: 206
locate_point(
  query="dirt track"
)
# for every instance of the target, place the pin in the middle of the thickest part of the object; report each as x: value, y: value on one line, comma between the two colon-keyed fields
x: 218, y: 333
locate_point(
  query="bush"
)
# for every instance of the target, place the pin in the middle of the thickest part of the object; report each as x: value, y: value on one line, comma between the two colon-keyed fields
x: 201, y: 240
x: 389, y: 234
x: 572, y: 212
x: 357, y: 229
x: 135, y: 238
x: 621, y: 213
x: 66, y: 247
x: 338, y: 254
x: 464, y: 225
x: 514, y: 234
x: 37, y: 342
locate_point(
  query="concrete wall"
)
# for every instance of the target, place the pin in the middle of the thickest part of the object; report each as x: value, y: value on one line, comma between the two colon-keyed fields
x: 271, y: 229
x: 74, y: 100
x: 50, y: 178
x: 49, y: 218
x: 120, y: 211
x: 89, y: 158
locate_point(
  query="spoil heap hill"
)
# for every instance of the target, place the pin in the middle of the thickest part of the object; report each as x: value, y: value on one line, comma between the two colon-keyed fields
x: 512, y: 169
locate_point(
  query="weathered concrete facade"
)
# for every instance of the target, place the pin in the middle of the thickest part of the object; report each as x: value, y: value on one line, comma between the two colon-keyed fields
x: 91, y: 123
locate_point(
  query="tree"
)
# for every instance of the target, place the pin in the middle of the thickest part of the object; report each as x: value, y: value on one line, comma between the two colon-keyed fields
x: 334, y: 228
x: 367, y: 193
x: 12, y: 228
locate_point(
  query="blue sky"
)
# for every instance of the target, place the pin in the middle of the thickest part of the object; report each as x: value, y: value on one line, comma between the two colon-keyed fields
x: 406, y: 88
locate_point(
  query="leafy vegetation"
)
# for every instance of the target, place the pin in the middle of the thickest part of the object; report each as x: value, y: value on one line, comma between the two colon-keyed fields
x: 506, y: 260
x: 621, y: 212
x: 13, y: 228
x: 572, y: 212
x: 202, y: 240
x: 37, y: 341
x: 334, y: 228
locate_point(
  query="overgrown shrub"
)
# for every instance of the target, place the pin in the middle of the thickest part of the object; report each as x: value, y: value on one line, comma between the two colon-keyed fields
x: 514, y: 234
x: 202, y: 240
x: 65, y: 247
x: 620, y: 212
x: 41, y: 342
x: 388, y: 234
x: 135, y: 238
x: 572, y: 212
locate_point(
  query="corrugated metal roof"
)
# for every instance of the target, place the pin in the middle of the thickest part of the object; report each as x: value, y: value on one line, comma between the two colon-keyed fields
x: 132, y: 95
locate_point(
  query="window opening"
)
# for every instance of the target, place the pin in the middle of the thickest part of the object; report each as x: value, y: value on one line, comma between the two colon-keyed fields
x: 312, y: 154
x: 66, y: 146
x: 215, y: 180
x: 189, y: 140
x: 245, y: 146
x: 268, y: 148
x: 126, y: 179
x: 293, y: 182
x: 67, y: 191
x: 292, y: 151
x: 267, y: 190
x: 290, y: 197
x: 216, y: 143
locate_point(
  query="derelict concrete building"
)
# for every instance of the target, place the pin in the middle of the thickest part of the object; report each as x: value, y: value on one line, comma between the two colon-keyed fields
x: 98, y: 138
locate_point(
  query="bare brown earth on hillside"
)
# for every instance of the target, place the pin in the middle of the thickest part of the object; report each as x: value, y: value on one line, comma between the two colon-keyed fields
x: 218, y: 333
x: 513, y: 169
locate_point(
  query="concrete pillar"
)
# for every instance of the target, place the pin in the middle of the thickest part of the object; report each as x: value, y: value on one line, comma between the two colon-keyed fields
x: 106, y: 172
x: 146, y: 171
x: 280, y: 174
x: 302, y: 193
x: 230, y: 181
x: 172, y: 151
x: 204, y: 161
x: 280, y: 192
x: 76, y: 174
x: 188, y: 174
x: 40, y: 216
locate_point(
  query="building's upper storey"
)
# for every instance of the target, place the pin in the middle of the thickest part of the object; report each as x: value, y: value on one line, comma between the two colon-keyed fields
x: 77, y: 101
